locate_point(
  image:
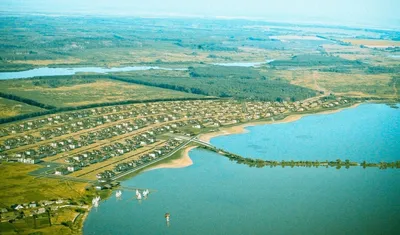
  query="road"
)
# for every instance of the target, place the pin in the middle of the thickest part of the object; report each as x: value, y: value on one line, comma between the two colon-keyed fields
x: 43, y: 171
x: 155, y: 161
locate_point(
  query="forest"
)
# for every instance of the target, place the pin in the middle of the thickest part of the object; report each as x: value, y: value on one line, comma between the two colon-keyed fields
x: 248, y: 89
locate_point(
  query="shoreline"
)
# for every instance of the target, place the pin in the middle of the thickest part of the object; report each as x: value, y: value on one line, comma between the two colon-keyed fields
x: 183, y: 161
x: 241, y: 128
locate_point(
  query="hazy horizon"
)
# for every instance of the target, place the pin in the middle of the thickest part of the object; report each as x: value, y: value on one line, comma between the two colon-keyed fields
x: 339, y: 12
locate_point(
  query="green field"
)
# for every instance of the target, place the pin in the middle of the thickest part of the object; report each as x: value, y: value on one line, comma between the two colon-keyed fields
x: 295, y: 52
x: 17, y: 186
x: 10, y: 108
x: 72, y: 91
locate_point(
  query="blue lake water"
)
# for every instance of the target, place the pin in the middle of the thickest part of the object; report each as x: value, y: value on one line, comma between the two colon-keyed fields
x: 370, y: 132
x: 243, y: 64
x: 71, y: 71
x: 217, y: 196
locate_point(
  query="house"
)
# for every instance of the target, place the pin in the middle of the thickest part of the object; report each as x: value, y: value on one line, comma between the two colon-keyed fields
x: 32, y: 205
x: 29, y: 160
x: 153, y: 155
x: 98, y: 187
x: 40, y: 211
x: 73, y: 168
x: 59, y: 201
x: 45, y: 202
x: 18, y: 207
x: 61, y: 171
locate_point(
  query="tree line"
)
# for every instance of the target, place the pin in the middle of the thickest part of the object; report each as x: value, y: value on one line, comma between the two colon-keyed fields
x: 27, y: 101
x: 260, y: 163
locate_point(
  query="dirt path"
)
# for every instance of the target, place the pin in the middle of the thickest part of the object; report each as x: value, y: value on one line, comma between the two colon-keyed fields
x: 317, y: 87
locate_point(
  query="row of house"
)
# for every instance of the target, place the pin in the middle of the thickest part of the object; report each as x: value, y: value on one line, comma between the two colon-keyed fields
x: 170, y: 145
x: 116, y: 149
x: 64, y: 118
x: 66, y: 145
x: 19, y: 211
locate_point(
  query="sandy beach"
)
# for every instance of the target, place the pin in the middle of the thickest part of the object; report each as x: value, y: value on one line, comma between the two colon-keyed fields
x: 181, y: 162
x: 241, y: 128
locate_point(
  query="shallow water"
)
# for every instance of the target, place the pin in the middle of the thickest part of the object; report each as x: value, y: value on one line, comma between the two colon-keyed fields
x: 217, y: 196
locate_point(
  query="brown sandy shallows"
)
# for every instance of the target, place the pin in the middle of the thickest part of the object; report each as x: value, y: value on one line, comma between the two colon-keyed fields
x: 241, y: 128
x: 181, y: 162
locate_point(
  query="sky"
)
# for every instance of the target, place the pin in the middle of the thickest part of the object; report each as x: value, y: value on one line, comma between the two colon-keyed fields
x: 340, y: 12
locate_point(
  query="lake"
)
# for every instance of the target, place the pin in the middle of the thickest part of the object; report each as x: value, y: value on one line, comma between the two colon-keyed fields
x: 370, y: 132
x: 243, y: 64
x: 217, y: 196
x: 71, y: 71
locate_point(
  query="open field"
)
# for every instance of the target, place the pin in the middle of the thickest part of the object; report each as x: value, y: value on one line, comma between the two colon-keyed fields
x: 351, y: 84
x: 94, y: 91
x: 17, y: 186
x: 33, y: 41
x: 47, y: 62
x: 373, y: 43
x: 295, y: 37
x: 191, y: 43
x: 9, y: 108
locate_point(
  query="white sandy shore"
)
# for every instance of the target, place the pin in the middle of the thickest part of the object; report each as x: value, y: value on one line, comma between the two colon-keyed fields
x: 181, y: 162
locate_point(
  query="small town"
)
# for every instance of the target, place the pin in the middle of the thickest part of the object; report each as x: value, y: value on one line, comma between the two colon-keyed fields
x: 100, y: 145
x: 123, y: 137
x: 194, y: 117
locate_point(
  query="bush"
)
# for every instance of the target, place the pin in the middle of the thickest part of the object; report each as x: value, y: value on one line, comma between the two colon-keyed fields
x: 67, y: 224
x: 80, y: 210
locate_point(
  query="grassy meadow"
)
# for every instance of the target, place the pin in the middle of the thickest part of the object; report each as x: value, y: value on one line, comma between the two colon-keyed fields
x: 77, y: 92
x: 17, y: 186
x: 10, y: 108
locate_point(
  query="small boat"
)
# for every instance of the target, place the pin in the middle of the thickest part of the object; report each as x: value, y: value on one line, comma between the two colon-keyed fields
x: 145, y: 193
x: 139, y: 196
x: 95, y: 201
x: 118, y: 193
x: 167, y: 215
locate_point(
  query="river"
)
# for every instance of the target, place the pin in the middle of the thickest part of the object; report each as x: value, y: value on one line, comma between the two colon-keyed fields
x: 45, y: 71
x: 244, y: 64
x: 217, y: 196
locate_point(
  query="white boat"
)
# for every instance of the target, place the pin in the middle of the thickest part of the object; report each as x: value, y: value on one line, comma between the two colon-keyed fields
x: 118, y: 193
x: 95, y: 201
x: 145, y: 193
x: 139, y: 196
